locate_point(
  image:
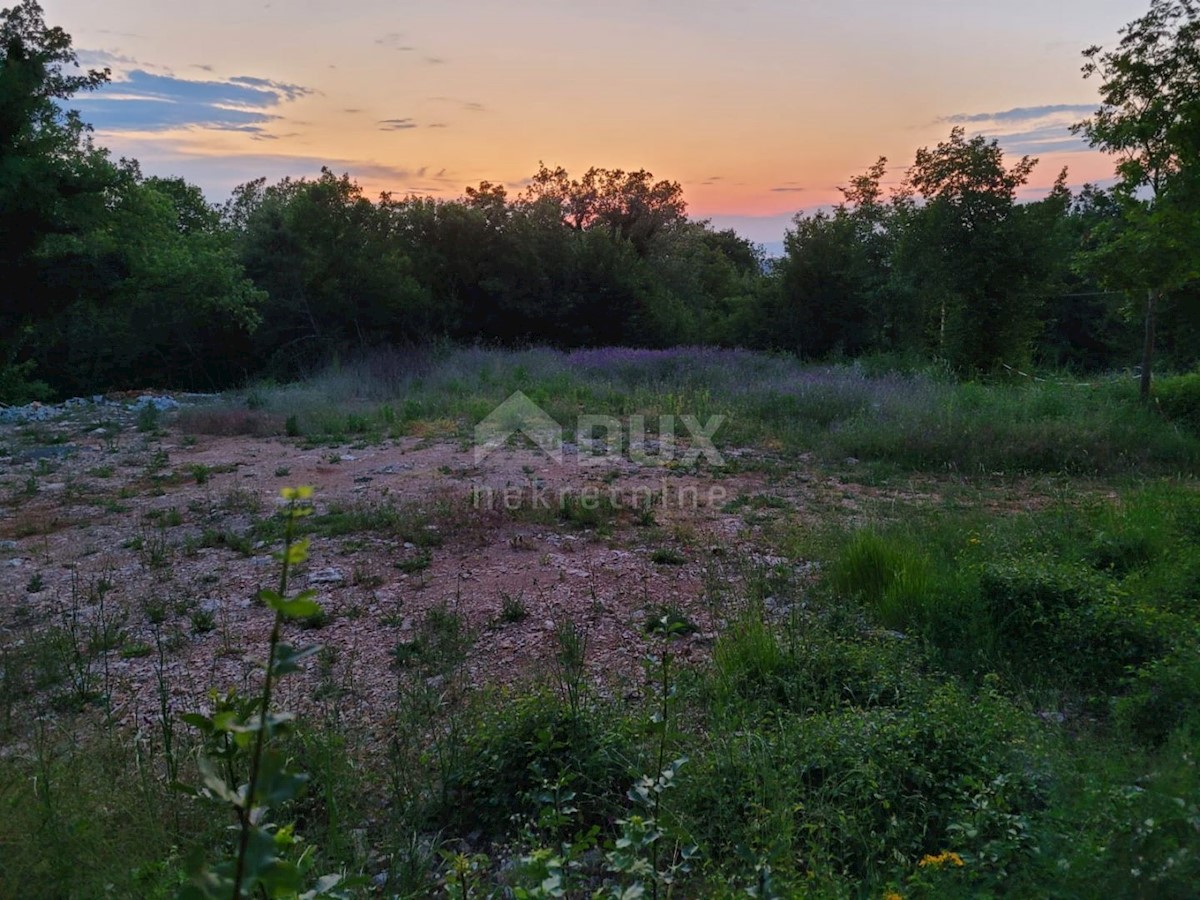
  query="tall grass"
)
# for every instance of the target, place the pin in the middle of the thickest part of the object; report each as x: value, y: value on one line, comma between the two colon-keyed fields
x: 914, y: 420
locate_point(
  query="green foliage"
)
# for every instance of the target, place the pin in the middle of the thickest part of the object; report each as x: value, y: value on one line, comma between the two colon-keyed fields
x: 1105, y: 597
x: 332, y: 277
x: 832, y: 282
x: 514, y: 747
x: 138, y: 280
x: 1149, y: 117
x: 977, y: 261
x: 667, y: 556
x: 166, y: 301
x: 837, y: 756
x: 512, y: 608
x: 1126, y: 824
x: 239, y: 742
x: 18, y: 386
x: 1179, y: 400
x: 1163, y: 697
x: 439, y: 645
x: 52, y: 181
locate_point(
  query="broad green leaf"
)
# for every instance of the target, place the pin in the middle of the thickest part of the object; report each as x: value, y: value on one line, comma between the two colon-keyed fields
x: 295, y: 554
x: 288, y: 658
x: 196, y: 720
x: 214, y: 782
x: 302, y: 606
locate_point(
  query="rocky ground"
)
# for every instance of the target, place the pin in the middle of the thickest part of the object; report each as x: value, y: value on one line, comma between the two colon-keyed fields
x: 123, y: 529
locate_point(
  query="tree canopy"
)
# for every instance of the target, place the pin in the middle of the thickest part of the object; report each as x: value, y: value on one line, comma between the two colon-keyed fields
x: 132, y: 281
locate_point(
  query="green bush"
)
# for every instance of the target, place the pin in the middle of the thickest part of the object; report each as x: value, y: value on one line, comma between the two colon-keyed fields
x: 517, y: 746
x: 1164, y: 695
x: 1066, y: 623
x: 1178, y: 399
x: 819, y: 671
x: 862, y: 794
x: 17, y: 386
x: 1126, y: 827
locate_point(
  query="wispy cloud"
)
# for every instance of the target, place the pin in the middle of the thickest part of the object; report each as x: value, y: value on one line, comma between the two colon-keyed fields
x: 286, y: 91
x: 1021, y: 114
x: 397, y: 124
x: 394, y: 40
x: 1029, y: 130
x: 139, y: 100
x: 468, y: 105
x: 104, y: 59
x: 208, y: 160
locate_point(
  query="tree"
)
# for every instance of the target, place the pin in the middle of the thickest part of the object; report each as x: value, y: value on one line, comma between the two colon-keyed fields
x: 829, y: 281
x: 151, y: 294
x: 52, y: 180
x: 1085, y: 328
x: 977, y: 258
x: 336, y: 274
x: 630, y: 205
x: 825, y: 286
x: 1150, y: 118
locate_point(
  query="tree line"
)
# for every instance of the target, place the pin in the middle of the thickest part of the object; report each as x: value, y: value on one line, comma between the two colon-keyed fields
x: 115, y: 279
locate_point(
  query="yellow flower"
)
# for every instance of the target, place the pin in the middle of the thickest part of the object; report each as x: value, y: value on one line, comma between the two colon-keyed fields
x: 892, y: 895
x: 297, y: 493
x: 946, y: 856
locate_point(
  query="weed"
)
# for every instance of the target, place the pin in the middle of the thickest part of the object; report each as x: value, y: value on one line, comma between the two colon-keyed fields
x: 271, y: 779
x: 438, y: 646
x: 155, y: 609
x: 202, y: 620
x: 147, y: 418
x: 667, y: 556
x: 241, y: 500
x: 570, y: 661
x: 414, y: 564
x: 363, y: 578
x: 136, y: 650
x: 512, y: 608
x: 152, y: 545
x: 239, y: 543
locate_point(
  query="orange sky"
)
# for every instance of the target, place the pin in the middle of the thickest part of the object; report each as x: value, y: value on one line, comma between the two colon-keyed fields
x: 759, y: 108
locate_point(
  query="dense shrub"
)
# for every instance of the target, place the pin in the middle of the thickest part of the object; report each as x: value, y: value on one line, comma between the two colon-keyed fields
x: 518, y: 746
x: 1163, y: 696
x: 1179, y: 400
x: 861, y: 793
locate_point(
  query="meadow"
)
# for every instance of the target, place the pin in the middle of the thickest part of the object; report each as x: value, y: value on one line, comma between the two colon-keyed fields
x: 915, y: 636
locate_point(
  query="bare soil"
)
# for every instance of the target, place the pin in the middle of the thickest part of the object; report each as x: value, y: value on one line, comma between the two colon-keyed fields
x: 98, y: 513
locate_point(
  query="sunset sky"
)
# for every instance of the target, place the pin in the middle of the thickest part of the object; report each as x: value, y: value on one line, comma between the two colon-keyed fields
x: 759, y: 108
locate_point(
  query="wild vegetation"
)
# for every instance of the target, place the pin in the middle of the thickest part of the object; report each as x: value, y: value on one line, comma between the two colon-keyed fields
x: 928, y: 625
x: 911, y: 651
